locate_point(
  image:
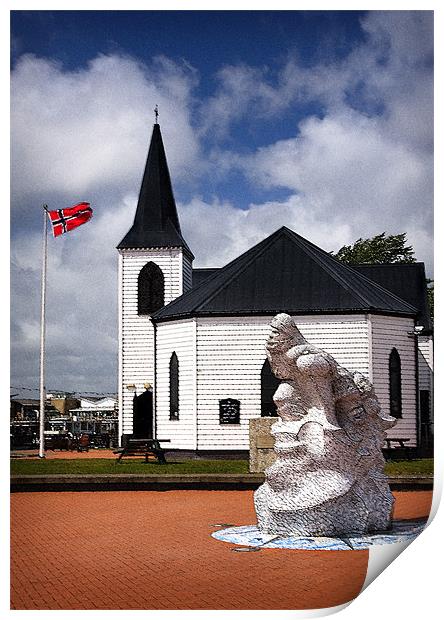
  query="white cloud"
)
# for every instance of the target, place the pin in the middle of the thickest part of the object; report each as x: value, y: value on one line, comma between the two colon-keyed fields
x: 241, y: 89
x: 84, y: 135
x: 346, y: 168
x: 77, y: 131
x: 81, y: 302
x: 224, y: 232
x: 368, y: 161
x: 390, y: 73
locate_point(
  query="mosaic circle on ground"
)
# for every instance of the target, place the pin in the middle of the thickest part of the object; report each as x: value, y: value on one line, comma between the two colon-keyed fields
x: 250, y: 536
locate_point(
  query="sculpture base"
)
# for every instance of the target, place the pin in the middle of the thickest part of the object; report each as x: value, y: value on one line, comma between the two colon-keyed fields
x: 281, y: 513
x: 251, y: 536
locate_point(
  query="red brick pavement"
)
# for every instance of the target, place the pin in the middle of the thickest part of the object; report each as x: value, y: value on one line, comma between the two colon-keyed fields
x: 153, y: 550
x: 101, y: 453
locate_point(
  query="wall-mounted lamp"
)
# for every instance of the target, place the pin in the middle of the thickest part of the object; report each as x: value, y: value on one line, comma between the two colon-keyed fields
x: 131, y: 387
x: 417, y: 330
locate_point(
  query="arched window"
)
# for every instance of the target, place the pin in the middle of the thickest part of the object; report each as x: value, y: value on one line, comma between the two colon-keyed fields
x: 269, y: 385
x: 174, y: 387
x: 150, y: 289
x: 395, y: 384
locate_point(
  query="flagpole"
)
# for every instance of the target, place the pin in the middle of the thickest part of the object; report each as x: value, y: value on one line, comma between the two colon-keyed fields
x: 42, y: 336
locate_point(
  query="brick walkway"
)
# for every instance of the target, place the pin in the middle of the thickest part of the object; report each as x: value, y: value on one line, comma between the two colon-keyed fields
x: 101, y: 453
x: 153, y: 550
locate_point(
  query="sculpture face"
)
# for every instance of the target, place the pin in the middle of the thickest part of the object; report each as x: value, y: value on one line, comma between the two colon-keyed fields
x: 328, y: 475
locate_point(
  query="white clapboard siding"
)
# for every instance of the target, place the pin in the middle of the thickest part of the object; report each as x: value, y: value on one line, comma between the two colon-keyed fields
x: 230, y: 355
x: 425, y: 367
x: 178, y: 337
x: 388, y: 333
x: 136, y: 333
x: 425, y: 362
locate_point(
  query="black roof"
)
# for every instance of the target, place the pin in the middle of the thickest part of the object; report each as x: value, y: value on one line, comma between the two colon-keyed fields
x: 407, y: 281
x: 284, y: 273
x: 31, y: 402
x: 199, y: 275
x: 156, y: 223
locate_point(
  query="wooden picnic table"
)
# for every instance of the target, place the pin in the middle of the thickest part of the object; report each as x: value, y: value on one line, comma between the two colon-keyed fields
x: 145, y: 447
x: 401, y: 441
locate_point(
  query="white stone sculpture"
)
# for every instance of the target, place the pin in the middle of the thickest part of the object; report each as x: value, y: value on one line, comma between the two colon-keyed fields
x: 328, y: 478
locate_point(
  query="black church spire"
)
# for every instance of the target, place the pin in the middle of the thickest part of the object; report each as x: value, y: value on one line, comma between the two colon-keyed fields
x: 156, y: 223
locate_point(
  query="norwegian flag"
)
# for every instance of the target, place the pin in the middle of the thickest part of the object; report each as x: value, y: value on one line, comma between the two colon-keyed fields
x: 64, y: 220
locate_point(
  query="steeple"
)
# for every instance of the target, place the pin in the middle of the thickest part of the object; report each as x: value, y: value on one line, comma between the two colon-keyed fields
x: 156, y: 223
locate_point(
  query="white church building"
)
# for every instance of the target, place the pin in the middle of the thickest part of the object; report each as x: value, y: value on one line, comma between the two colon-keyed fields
x: 192, y: 361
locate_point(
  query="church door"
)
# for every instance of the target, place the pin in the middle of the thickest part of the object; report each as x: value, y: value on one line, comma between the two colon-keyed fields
x: 143, y: 416
x: 269, y: 385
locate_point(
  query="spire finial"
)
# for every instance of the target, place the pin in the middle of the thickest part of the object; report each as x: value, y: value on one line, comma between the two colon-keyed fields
x: 156, y: 113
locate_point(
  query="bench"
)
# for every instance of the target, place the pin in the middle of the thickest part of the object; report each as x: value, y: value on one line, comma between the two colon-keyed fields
x: 401, y: 441
x: 145, y: 447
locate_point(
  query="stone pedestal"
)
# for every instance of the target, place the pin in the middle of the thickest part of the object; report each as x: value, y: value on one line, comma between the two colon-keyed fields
x: 262, y: 453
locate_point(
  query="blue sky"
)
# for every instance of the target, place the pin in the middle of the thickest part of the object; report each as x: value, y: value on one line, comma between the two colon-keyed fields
x: 320, y: 121
x: 206, y: 41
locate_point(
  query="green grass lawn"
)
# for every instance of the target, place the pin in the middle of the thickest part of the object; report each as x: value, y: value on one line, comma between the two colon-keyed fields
x: 404, y: 468
x: 109, y: 466
x: 126, y: 466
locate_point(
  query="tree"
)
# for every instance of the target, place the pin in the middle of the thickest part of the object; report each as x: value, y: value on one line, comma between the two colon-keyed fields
x: 431, y: 297
x: 377, y: 250
x: 381, y: 249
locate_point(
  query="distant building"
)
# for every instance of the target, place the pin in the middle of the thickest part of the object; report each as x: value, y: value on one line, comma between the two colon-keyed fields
x: 24, y: 421
x: 96, y: 416
x: 63, y: 402
x: 24, y: 416
x: 24, y: 409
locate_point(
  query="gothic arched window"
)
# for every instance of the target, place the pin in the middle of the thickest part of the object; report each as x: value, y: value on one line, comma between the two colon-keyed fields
x: 174, y: 387
x: 395, y: 384
x: 269, y: 385
x: 150, y: 289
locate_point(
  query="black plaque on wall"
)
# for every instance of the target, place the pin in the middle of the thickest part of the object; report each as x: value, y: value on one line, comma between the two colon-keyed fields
x: 229, y: 411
